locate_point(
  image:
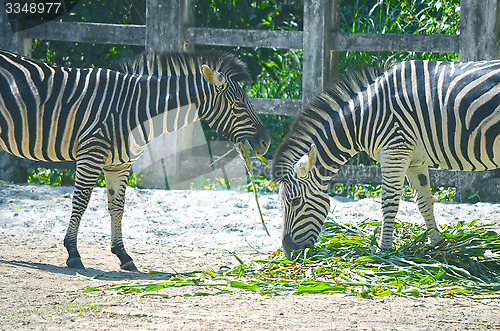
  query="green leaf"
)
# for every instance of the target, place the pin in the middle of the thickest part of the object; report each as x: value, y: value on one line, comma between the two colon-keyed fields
x: 248, y: 165
x: 317, y: 287
x: 412, y: 292
x: 383, y: 293
x: 250, y: 286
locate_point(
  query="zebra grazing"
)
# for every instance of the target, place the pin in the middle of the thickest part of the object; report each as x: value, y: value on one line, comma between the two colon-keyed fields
x: 103, y: 118
x: 414, y: 115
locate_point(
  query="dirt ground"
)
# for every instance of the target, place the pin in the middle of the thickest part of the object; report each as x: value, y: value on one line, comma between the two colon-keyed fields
x: 37, y: 291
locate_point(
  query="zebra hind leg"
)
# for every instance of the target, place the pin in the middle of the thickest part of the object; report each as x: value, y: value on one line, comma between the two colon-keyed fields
x: 418, y: 177
x: 87, y: 173
x: 393, y: 163
x: 116, y: 183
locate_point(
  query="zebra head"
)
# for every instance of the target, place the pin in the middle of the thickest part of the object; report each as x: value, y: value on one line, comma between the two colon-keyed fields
x: 304, y: 201
x: 231, y: 113
x: 209, y: 80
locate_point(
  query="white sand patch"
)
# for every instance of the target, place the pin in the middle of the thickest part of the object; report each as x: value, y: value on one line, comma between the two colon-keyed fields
x: 213, y: 219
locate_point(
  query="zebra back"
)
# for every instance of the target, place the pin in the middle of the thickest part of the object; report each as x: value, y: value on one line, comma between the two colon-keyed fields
x: 176, y: 64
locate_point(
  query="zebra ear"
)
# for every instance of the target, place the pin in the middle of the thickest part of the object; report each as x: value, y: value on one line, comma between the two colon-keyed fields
x: 212, y: 76
x: 306, y: 162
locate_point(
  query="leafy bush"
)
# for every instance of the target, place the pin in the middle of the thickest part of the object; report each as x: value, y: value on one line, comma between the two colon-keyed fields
x: 390, y: 16
x: 54, y: 177
x: 66, y: 177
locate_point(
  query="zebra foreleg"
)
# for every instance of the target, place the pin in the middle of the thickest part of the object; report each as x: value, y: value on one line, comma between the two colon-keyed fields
x: 87, y: 173
x: 80, y: 200
x: 116, y: 183
x: 393, y: 163
x: 418, y: 177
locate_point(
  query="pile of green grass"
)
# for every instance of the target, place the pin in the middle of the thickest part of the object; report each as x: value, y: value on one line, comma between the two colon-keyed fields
x: 344, y: 260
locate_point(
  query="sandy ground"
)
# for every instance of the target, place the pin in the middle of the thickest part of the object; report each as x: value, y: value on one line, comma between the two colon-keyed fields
x: 186, y: 231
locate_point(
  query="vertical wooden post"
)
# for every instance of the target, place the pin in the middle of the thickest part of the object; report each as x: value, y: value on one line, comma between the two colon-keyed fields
x: 163, y: 25
x: 479, y: 40
x: 10, y: 168
x: 479, y: 30
x: 192, y: 135
x: 334, y: 66
x: 317, y: 65
x: 166, y: 23
x: 8, y: 39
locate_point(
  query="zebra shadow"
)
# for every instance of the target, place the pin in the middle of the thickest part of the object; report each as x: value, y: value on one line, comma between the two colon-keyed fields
x: 88, y: 273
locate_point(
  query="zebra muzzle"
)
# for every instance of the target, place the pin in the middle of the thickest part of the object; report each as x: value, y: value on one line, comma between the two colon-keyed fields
x: 290, y: 247
x: 260, y: 142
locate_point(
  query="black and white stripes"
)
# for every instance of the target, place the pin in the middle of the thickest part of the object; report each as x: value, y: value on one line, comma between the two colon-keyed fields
x: 414, y: 115
x: 103, y: 118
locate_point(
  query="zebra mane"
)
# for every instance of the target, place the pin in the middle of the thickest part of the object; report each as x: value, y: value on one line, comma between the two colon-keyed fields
x: 174, y: 63
x: 322, y: 107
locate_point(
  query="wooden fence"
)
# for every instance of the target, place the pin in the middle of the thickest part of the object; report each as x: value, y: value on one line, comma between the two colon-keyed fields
x: 169, y: 27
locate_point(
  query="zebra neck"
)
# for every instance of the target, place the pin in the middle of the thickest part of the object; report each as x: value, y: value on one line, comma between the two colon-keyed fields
x: 335, y: 141
x: 168, y: 104
x: 373, y: 117
x: 161, y: 105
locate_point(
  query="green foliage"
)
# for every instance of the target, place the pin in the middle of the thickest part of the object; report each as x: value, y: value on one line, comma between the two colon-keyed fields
x: 262, y: 184
x: 134, y: 179
x: 249, y: 14
x: 443, y: 194
x: 66, y: 177
x: 361, y: 191
x: 390, y: 16
x: 355, y: 191
x: 344, y: 260
x: 281, y: 78
x: 217, y: 183
x: 439, y: 194
x: 54, y: 177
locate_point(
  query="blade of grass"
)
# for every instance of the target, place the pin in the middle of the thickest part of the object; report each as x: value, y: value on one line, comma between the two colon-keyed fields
x: 248, y: 166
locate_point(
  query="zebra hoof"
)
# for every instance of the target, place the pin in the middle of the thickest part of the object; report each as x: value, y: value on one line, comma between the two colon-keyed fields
x: 75, y: 263
x: 129, y: 266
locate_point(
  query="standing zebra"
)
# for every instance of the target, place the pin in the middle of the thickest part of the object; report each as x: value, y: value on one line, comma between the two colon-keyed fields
x: 414, y: 115
x: 103, y: 118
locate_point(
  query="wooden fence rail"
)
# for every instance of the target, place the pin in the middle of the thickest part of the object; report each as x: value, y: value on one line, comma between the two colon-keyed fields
x: 169, y: 27
x: 128, y: 34
x: 478, y: 42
